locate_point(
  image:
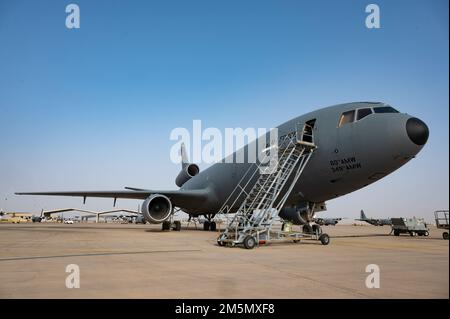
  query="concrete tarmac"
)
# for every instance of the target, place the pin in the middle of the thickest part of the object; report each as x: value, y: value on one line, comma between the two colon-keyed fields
x: 141, y: 261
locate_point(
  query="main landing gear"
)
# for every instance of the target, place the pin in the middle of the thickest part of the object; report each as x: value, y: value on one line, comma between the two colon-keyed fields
x: 209, y: 224
x: 168, y: 225
x: 171, y: 224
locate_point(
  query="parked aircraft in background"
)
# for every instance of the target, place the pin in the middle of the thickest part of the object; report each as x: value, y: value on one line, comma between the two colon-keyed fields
x: 327, y: 221
x: 374, y: 221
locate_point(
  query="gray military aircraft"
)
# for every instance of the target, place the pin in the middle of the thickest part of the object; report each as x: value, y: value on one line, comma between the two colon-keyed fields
x: 327, y: 221
x: 374, y: 221
x: 356, y: 144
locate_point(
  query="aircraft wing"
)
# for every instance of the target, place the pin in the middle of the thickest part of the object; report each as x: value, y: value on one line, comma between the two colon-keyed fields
x: 63, y: 210
x: 178, y: 197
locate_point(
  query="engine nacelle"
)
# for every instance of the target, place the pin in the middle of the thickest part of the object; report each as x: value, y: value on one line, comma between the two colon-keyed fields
x: 302, y: 213
x: 294, y: 215
x: 156, y: 208
x: 186, y: 174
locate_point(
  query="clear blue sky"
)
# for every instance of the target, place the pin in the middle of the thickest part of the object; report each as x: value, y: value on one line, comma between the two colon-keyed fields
x: 93, y: 108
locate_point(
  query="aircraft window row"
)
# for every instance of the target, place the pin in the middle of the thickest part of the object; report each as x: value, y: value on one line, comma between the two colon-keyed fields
x: 349, y: 116
x: 385, y: 109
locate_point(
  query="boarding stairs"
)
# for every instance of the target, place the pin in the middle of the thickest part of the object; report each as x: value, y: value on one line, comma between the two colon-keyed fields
x: 261, y: 205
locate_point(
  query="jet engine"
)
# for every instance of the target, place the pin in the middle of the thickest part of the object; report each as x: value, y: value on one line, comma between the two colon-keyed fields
x: 156, y: 208
x: 295, y: 216
x: 303, y: 213
x: 187, y: 172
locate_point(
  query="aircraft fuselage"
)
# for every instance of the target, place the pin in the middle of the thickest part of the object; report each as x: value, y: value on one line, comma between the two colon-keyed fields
x: 348, y: 157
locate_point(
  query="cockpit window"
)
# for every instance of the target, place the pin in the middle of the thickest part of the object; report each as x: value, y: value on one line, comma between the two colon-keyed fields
x: 385, y: 109
x: 362, y: 113
x: 347, y: 117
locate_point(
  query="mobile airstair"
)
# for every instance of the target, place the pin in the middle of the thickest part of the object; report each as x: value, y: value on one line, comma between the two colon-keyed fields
x: 252, y: 223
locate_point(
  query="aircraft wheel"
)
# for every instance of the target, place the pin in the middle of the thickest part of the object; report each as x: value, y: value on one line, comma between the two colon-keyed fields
x: 426, y: 233
x: 166, y: 225
x: 177, y: 225
x: 220, y: 238
x: 411, y: 234
x: 213, y: 226
x: 317, y: 229
x: 206, y: 225
x: 324, y: 239
x: 249, y: 242
x: 445, y: 235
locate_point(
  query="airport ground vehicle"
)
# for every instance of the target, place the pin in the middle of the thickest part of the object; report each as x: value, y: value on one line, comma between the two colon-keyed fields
x: 68, y: 222
x: 411, y: 226
x: 18, y: 220
x: 441, y: 218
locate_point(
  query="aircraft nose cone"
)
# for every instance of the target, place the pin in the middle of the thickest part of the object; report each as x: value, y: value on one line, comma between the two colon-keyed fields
x: 417, y: 131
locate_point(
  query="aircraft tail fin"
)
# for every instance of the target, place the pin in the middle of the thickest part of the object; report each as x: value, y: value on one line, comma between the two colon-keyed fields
x: 363, y: 216
x: 188, y: 170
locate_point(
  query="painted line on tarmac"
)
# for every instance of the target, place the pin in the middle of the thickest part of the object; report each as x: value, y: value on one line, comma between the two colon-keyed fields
x: 100, y: 254
x: 360, y: 236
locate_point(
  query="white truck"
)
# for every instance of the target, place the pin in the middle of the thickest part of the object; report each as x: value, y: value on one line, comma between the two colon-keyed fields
x: 412, y: 226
